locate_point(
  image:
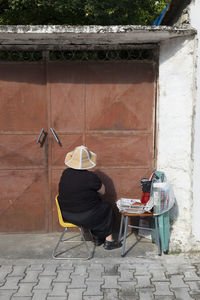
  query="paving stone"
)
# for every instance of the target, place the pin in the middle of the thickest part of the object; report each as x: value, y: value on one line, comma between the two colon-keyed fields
x: 177, y: 281
x: 146, y: 294
x: 93, y: 288
x: 25, y: 290
x: 190, y: 275
x: 59, y: 289
x: 4, y: 271
x: 110, y: 282
x: 186, y: 268
x: 40, y: 294
x: 95, y: 272
x: 111, y: 269
x: 126, y: 272
x: 125, y: 275
x: 31, y: 276
x: 49, y: 270
x: 110, y: 294
x: 96, y: 267
x: 80, y: 270
x: 35, y: 267
x: 173, y: 270
x: 126, y: 266
x: 158, y: 274
x: 182, y: 293
x: 127, y: 290
x: 141, y: 270
x: 162, y: 289
x: 66, y: 266
x: 11, y: 283
x: 63, y: 276
x: 143, y: 282
x: 18, y: 271
x: 94, y: 275
x: 194, y: 286
x: 77, y: 282
x: 6, y: 294
x: 45, y: 283
x: 75, y: 294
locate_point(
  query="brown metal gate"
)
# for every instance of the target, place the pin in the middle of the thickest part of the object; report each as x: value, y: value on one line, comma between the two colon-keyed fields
x: 24, y: 180
x: 107, y: 106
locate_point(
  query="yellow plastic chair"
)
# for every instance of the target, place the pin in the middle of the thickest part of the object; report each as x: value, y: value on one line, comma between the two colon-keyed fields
x: 67, y: 225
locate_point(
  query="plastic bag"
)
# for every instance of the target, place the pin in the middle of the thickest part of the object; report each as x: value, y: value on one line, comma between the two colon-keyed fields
x: 163, y: 197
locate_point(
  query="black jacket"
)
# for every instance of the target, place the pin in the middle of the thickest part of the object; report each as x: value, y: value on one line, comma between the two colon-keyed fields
x: 78, y: 190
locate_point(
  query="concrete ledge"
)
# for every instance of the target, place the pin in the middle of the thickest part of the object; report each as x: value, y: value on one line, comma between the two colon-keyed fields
x: 96, y: 35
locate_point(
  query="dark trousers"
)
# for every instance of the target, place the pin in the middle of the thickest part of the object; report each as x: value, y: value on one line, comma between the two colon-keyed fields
x: 99, y: 219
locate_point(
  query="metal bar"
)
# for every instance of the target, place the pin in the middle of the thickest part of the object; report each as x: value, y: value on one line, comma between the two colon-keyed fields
x: 39, y: 136
x: 125, y: 233
x: 55, y: 136
x: 121, y: 227
x: 60, y: 240
x: 140, y: 227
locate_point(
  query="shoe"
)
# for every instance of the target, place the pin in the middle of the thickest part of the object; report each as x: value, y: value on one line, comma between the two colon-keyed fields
x: 112, y: 245
x: 97, y: 241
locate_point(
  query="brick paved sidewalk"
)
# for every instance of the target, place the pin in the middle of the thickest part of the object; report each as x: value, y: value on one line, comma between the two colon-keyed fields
x: 164, y: 278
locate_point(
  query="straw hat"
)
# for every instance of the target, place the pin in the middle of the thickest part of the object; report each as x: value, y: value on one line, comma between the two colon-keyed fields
x: 81, y: 158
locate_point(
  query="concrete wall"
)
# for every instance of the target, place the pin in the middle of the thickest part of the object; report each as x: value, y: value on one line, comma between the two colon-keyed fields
x: 195, y: 22
x: 175, y: 132
x: 179, y: 131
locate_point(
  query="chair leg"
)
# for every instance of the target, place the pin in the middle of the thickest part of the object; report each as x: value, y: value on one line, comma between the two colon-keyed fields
x: 121, y: 227
x: 157, y: 236
x: 60, y: 240
x: 55, y: 256
x: 124, y: 238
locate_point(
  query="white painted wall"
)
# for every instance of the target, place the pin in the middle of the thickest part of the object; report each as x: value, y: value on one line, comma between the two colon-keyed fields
x: 175, y: 132
x: 195, y: 22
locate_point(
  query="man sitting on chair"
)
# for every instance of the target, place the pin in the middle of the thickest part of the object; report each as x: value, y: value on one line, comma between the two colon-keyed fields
x: 79, y: 198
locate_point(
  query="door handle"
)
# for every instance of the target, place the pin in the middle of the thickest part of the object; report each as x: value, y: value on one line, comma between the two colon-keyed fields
x: 55, y: 137
x: 41, y: 142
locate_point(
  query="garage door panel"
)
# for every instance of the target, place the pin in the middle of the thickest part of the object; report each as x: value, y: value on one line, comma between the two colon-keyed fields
x: 132, y: 150
x: 67, y: 92
x: 23, y: 97
x: 69, y: 142
x: 21, y: 151
x: 23, y: 201
x: 118, y: 97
